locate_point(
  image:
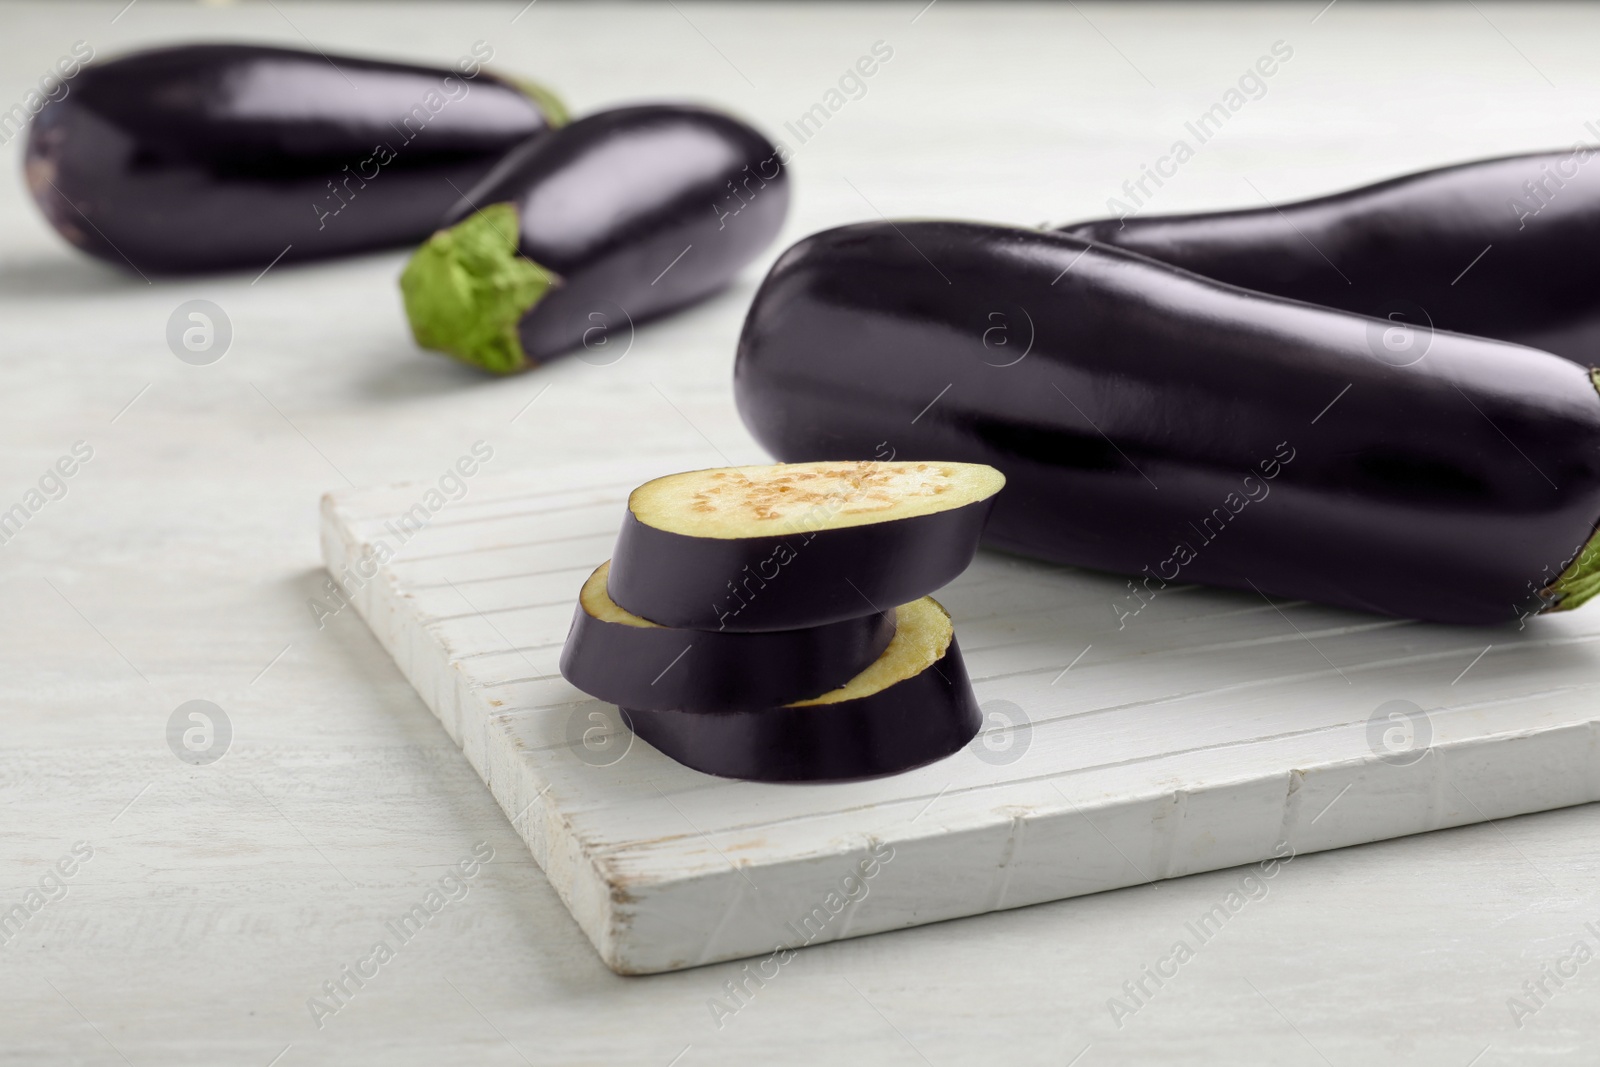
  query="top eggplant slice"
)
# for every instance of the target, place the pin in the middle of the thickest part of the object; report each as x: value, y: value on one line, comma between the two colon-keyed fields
x: 575, y: 238
x: 1504, y: 248
x: 796, y: 545
x: 1156, y: 423
x: 216, y: 156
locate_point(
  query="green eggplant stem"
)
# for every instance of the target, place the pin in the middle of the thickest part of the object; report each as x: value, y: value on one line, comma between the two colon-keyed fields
x: 555, y: 112
x: 467, y: 288
x: 1581, y: 580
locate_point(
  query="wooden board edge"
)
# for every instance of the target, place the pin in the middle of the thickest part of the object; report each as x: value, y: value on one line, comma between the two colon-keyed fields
x: 515, y: 785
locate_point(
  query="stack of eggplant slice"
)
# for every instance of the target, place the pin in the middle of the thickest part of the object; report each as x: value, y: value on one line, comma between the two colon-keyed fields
x: 1177, y: 428
x: 773, y: 623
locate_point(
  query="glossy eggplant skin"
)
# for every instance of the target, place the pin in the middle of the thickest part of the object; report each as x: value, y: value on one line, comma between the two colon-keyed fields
x: 217, y: 156
x: 1156, y: 423
x: 637, y: 211
x: 753, y: 584
x: 926, y: 717
x: 661, y: 668
x: 1504, y: 248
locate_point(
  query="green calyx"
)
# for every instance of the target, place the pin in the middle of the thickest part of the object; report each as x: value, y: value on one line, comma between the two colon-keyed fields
x: 467, y: 288
x: 555, y: 112
x: 1581, y: 580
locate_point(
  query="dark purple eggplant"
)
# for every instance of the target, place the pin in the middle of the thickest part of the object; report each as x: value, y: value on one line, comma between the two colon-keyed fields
x: 618, y: 657
x: 575, y: 238
x: 1503, y: 248
x: 1156, y: 423
x: 913, y: 705
x: 787, y: 547
x: 215, y: 156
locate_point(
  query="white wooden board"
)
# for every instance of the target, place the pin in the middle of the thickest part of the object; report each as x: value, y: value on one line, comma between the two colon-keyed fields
x: 1211, y: 729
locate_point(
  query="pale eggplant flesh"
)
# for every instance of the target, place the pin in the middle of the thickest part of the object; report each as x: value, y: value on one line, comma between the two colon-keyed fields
x: 789, y: 546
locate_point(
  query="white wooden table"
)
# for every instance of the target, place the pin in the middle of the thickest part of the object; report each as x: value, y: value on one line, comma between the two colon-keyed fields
x: 219, y: 897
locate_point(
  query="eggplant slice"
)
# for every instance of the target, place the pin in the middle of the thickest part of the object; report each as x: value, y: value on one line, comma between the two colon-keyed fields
x: 616, y: 656
x: 789, y: 546
x: 914, y: 704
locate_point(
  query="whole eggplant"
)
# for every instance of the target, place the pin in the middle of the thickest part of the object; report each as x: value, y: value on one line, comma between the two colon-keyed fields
x: 576, y: 237
x: 1504, y: 248
x: 1157, y: 423
x: 215, y: 156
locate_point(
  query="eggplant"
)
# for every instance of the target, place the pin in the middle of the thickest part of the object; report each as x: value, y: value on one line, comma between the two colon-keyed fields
x: 1504, y: 248
x: 791, y: 546
x: 216, y: 156
x: 574, y: 238
x: 1160, y: 424
x: 620, y: 658
x: 911, y: 706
